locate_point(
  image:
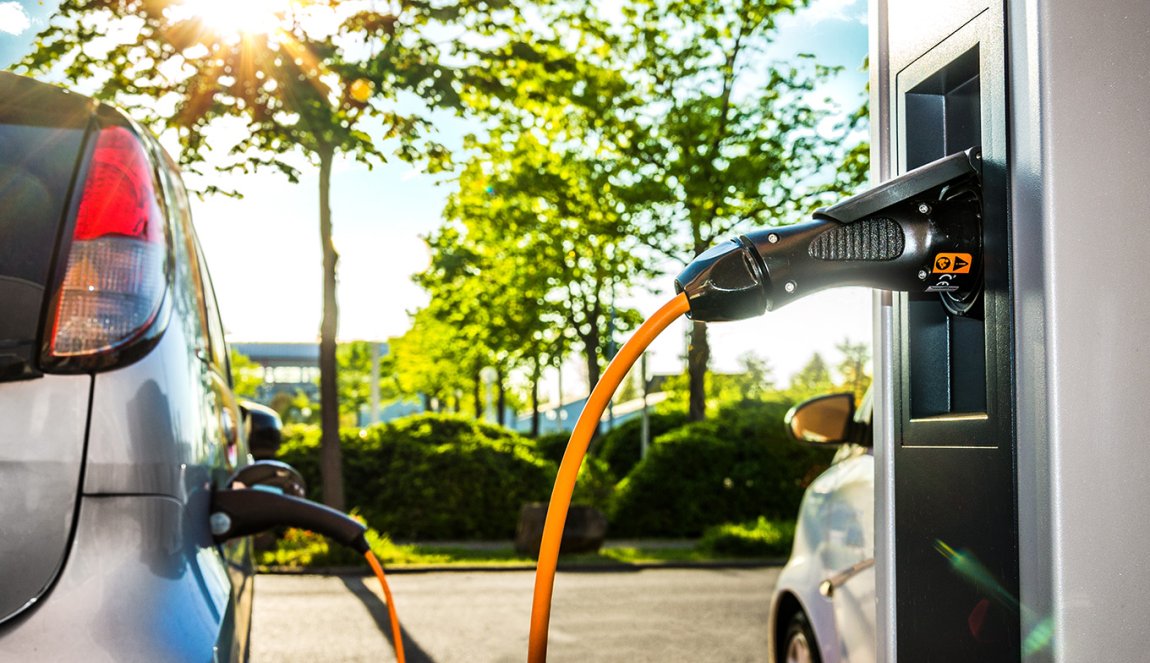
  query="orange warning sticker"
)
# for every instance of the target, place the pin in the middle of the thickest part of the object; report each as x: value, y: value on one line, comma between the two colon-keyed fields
x: 952, y: 263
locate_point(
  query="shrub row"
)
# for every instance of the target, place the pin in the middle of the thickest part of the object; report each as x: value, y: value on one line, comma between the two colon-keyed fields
x: 758, y: 538
x: 735, y: 467
x: 431, y: 477
x: 438, y: 477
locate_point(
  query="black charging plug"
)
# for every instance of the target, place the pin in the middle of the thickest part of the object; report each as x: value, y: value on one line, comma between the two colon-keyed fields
x: 920, y: 232
x: 247, y: 511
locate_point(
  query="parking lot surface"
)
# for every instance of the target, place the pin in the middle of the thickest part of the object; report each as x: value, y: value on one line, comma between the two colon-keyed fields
x: 648, y: 615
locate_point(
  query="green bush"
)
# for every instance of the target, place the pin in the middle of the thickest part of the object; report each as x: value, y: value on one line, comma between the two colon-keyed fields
x: 735, y: 467
x: 758, y: 538
x: 620, y: 447
x: 551, y: 446
x: 595, y: 485
x: 596, y: 482
x: 431, y: 477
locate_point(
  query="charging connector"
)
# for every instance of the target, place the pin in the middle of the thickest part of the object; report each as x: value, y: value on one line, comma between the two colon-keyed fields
x: 249, y: 511
x: 920, y: 232
x: 257, y: 500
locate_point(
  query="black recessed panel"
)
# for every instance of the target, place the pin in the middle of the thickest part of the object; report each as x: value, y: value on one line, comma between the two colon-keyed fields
x: 956, y: 542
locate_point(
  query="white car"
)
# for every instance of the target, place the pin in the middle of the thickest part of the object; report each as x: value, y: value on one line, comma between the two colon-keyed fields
x: 823, y: 608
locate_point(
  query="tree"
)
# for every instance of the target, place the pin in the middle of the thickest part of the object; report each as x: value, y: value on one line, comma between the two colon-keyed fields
x: 728, y: 139
x: 431, y: 363
x: 756, y: 377
x: 853, y: 366
x: 813, y: 379
x: 536, y: 247
x: 489, y: 304
x: 305, y: 79
x: 355, y: 375
x: 247, y: 375
x: 536, y: 242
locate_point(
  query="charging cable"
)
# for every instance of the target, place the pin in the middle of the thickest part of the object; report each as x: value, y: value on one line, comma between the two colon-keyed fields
x: 396, y: 632
x: 585, y: 428
x: 246, y: 511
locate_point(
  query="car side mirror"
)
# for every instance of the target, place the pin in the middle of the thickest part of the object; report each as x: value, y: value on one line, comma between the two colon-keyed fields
x: 264, y: 428
x: 823, y: 419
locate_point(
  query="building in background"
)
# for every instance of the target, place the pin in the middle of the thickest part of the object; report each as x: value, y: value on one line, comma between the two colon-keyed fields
x: 287, y: 369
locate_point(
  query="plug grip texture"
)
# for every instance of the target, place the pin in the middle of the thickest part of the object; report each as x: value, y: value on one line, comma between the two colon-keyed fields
x: 872, y: 239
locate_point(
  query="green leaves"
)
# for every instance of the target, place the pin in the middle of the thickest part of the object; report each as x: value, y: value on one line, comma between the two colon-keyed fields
x: 292, y: 84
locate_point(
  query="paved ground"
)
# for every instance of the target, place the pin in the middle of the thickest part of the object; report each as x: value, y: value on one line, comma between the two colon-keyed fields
x: 651, y: 615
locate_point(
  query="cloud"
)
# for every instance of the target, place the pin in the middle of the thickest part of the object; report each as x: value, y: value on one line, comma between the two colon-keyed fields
x: 13, y: 19
x: 836, y: 10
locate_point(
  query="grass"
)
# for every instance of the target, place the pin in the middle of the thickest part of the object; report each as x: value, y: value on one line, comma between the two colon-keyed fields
x: 299, y: 549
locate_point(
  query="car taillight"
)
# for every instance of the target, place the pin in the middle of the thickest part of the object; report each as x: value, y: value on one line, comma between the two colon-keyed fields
x: 115, y: 280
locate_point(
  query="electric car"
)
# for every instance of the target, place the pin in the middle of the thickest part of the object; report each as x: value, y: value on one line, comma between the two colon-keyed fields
x: 823, y: 607
x: 115, y: 393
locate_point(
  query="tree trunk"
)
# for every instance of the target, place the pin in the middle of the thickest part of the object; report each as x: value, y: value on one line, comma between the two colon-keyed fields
x: 591, y: 351
x: 536, y: 370
x: 477, y: 394
x: 698, y: 355
x: 501, y: 399
x: 331, y: 461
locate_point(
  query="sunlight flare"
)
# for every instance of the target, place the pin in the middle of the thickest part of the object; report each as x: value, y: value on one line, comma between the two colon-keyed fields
x: 229, y: 17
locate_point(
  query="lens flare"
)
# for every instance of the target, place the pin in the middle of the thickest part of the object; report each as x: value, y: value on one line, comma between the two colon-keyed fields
x: 228, y: 17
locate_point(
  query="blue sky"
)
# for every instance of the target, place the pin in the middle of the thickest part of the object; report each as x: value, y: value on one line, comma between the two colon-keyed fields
x: 265, y: 260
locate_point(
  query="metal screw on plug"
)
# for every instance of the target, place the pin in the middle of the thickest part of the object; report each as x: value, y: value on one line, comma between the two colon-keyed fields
x: 773, y: 238
x: 923, y: 208
x: 221, y: 523
x: 789, y: 286
x: 922, y: 275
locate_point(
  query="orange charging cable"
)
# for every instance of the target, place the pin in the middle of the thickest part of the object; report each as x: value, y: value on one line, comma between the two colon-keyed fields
x: 396, y: 633
x: 585, y: 428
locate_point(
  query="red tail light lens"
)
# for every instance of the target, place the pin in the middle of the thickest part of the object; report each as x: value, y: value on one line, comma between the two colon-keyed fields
x: 115, y: 280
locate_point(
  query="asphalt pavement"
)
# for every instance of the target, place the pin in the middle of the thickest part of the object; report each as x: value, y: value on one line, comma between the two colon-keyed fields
x: 643, y: 615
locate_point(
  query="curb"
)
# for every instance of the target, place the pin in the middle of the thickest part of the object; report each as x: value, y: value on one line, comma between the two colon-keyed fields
x: 621, y: 567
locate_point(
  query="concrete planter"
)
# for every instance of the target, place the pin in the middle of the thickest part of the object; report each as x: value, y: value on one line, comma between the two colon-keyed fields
x: 586, y: 528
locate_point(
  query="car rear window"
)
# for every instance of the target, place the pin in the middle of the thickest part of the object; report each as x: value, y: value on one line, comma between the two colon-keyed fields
x: 37, y: 164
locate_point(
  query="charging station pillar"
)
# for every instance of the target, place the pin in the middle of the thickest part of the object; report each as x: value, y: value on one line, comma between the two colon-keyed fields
x: 948, y: 573
x: 1012, y: 446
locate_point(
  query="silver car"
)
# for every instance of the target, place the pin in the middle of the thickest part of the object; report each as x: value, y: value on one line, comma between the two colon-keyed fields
x: 823, y: 607
x: 115, y: 393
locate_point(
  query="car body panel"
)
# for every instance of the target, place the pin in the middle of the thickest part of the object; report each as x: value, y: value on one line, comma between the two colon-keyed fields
x: 834, y: 532
x: 850, y: 541
x: 152, y: 432
x: 41, y: 456
x: 140, y: 585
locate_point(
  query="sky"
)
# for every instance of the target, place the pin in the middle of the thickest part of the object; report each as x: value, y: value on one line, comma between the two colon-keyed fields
x: 263, y: 250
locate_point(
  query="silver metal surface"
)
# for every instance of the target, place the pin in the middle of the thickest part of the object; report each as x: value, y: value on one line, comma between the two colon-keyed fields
x: 1036, y: 490
x: 139, y: 585
x: 884, y: 534
x: 1081, y: 79
x: 153, y: 430
x: 41, y: 451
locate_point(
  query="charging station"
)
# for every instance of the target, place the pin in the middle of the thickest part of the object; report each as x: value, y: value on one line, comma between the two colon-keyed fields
x: 1011, y: 455
x: 950, y: 395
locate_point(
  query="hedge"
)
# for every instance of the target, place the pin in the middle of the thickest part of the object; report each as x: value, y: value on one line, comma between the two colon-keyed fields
x: 621, y: 446
x: 758, y: 538
x: 431, y: 477
x: 733, y: 468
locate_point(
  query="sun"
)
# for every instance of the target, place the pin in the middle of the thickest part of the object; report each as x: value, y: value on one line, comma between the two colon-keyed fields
x: 236, y: 17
